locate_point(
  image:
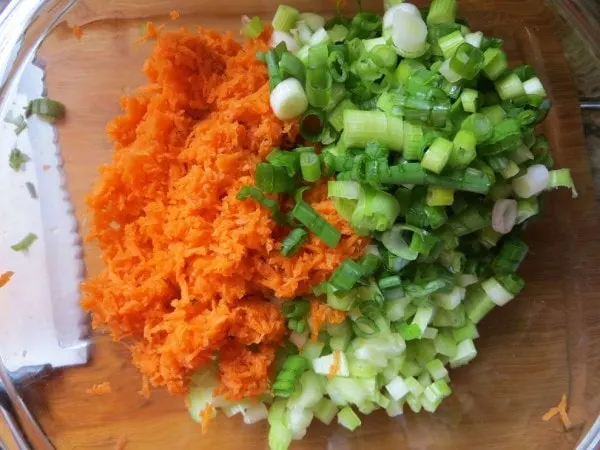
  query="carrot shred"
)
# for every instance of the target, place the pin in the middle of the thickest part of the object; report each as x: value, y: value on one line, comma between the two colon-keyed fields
x: 321, y: 314
x: 77, y: 32
x: 335, y: 366
x: 206, y: 415
x: 121, y: 443
x: 188, y: 267
x: 100, y: 389
x: 151, y: 32
x: 174, y: 15
x: 561, y: 410
x: 5, y: 277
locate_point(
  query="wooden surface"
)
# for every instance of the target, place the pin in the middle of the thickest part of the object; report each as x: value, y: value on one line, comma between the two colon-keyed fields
x: 532, y: 351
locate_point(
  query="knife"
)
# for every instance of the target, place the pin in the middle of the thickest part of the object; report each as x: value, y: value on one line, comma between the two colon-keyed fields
x: 41, y: 321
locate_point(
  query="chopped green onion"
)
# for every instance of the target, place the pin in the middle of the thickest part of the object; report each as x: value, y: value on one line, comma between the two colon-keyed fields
x: 343, y: 189
x: 25, y: 243
x: 436, y: 157
x: 18, y: 121
x: 312, y: 124
x: 318, y: 87
x: 413, y: 135
x: 310, y: 165
x: 409, y: 34
x: 495, y: 113
x: 258, y: 196
x: 348, y: 419
x: 289, y: 375
x: 306, y: 215
x: 463, y: 150
x: 336, y: 117
x: 469, y: 99
x: 464, y: 354
x: 527, y: 208
x: 533, y: 182
x: 438, y: 196
x: 450, y: 43
x: 389, y: 282
x: 441, y: 11
x: 512, y: 253
x: 285, y: 18
x: 252, y: 28
x: 46, y: 109
x: 510, y: 87
x: 338, y: 33
x: 346, y: 276
x: 365, y: 327
x: 384, y: 56
x: 295, y: 309
x: 477, y: 303
x: 288, y: 99
x: 494, y: 63
x: 291, y: 66
x: 294, y: 242
x: 17, y: 159
x: 562, y: 178
x: 480, y: 125
x: 270, y: 178
x: 467, y: 61
x: 362, y: 127
x: 376, y: 210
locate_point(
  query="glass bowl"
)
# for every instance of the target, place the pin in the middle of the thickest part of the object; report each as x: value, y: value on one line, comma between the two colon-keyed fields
x: 531, y: 352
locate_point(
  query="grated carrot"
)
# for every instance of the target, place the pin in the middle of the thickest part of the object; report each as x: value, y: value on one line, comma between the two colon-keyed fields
x: 5, y: 277
x: 561, y: 410
x: 100, y: 389
x: 188, y: 267
x: 206, y: 415
x: 121, y: 443
x: 174, y: 15
x: 151, y: 32
x: 321, y: 314
x: 77, y: 32
x: 335, y: 366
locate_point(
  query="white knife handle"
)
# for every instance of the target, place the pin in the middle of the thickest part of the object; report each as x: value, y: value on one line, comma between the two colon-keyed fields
x: 13, y: 428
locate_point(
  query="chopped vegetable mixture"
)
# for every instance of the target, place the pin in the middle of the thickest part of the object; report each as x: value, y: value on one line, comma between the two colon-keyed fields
x: 314, y: 223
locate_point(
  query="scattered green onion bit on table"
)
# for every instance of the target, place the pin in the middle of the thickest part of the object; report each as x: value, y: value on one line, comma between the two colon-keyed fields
x: 24, y: 244
x: 17, y: 159
x: 46, y: 109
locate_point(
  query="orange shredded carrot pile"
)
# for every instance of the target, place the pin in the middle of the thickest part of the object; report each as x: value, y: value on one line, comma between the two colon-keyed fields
x: 77, y: 32
x: 335, y: 366
x: 100, y: 389
x: 206, y: 415
x: 561, y: 410
x: 188, y: 267
x: 5, y: 277
x: 174, y: 15
x: 321, y: 314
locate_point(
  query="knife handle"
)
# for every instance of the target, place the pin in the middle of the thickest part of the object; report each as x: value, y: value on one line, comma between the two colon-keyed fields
x: 29, y: 426
x: 13, y: 427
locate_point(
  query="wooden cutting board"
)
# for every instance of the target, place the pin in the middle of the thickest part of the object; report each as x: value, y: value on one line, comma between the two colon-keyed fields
x: 532, y: 351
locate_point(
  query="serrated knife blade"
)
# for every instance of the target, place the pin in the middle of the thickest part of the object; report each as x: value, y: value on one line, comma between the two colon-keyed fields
x: 41, y: 321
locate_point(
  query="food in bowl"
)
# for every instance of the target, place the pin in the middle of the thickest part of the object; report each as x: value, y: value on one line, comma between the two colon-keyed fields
x: 313, y: 223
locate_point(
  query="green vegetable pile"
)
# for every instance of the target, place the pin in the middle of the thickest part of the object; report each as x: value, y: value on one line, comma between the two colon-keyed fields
x: 431, y: 147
